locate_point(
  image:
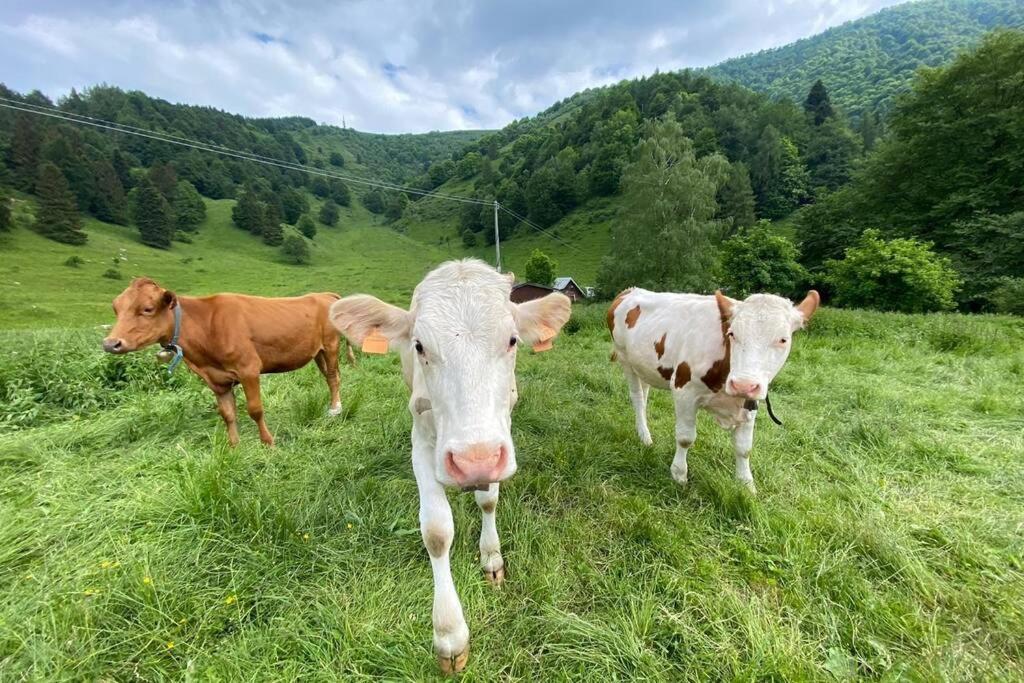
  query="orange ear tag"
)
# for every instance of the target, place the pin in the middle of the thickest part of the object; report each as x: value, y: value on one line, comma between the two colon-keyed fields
x: 375, y: 342
x: 544, y: 338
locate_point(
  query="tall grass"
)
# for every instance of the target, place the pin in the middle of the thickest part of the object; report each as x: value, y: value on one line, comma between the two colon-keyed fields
x: 884, y: 542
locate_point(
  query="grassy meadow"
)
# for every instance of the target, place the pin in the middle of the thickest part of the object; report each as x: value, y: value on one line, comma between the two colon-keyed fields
x: 884, y: 542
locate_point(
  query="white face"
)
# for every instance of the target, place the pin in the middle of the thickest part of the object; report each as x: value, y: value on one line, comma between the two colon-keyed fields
x: 760, y: 335
x: 458, y: 343
x: 465, y: 360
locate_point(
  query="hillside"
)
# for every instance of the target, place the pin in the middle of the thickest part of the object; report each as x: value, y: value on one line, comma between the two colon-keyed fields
x: 868, y: 62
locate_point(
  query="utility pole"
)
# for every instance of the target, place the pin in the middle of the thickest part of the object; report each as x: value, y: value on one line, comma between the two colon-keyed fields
x: 497, y: 239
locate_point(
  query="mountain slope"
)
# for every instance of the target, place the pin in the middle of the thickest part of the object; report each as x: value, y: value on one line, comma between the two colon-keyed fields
x: 866, y: 63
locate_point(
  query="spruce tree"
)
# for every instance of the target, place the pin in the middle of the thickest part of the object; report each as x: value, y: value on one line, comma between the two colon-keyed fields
x: 24, y: 153
x: 152, y: 215
x: 165, y: 178
x: 818, y: 104
x: 272, y: 232
x: 109, y: 204
x: 189, y: 208
x: 248, y: 212
x: 307, y: 227
x: 58, y: 216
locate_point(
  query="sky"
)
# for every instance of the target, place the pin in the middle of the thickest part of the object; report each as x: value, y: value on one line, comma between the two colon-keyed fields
x: 388, y: 66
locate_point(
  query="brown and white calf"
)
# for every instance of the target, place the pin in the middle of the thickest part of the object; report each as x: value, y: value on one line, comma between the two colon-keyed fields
x: 711, y: 352
x: 458, y: 343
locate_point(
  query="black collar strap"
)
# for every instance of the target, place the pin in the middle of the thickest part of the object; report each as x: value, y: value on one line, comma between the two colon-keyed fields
x: 751, y: 404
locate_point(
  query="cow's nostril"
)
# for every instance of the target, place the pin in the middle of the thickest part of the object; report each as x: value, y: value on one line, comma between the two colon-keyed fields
x: 112, y: 345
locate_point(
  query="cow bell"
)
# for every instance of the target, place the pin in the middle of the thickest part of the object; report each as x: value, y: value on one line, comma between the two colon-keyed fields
x: 165, y: 355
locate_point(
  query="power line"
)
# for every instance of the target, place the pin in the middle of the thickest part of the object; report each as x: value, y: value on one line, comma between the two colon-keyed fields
x: 538, y: 228
x: 170, y: 138
x: 167, y: 138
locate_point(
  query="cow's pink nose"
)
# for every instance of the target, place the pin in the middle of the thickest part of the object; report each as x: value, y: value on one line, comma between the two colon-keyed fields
x: 476, y: 464
x: 744, y: 388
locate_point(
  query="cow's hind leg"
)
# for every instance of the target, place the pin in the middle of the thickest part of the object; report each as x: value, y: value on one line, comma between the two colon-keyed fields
x: 251, y: 386
x: 638, y: 396
x: 686, y: 431
x: 491, y: 562
x: 327, y: 361
x: 743, y: 441
x: 226, y: 407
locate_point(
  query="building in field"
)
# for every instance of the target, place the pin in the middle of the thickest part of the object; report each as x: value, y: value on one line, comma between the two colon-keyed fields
x: 568, y: 286
x: 528, y: 291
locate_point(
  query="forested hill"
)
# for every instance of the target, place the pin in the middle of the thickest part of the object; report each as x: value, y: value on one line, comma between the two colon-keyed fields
x: 395, y: 158
x: 866, y: 63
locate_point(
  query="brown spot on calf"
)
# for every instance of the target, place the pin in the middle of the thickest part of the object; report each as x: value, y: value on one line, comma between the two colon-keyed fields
x: 615, y: 305
x: 682, y: 375
x: 631, y: 317
x: 659, y: 346
x: 665, y: 373
x: 714, y: 378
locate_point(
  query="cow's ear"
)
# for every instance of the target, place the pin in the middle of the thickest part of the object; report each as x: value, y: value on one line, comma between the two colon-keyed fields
x: 725, y: 305
x: 169, y: 299
x: 808, y: 306
x: 541, y: 319
x: 358, y: 315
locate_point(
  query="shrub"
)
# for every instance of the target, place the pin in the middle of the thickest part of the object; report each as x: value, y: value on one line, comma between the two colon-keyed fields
x: 329, y: 213
x: 540, y: 268
x: 74, y: 262
x: 468, y: 238
x: 112, y: 274
x: 756, y: 260
x: 1008, y: 296
x: 295, y: 250
x: 893, y: 275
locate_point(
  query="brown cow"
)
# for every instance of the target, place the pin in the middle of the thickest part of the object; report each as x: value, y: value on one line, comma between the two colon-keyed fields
x: 230, y: 339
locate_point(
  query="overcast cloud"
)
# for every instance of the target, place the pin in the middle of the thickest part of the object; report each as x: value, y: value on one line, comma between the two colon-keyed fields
x: 387, y: 65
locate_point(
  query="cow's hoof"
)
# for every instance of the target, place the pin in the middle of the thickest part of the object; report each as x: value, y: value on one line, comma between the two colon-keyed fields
x: 749, y: 486
x: 646, y: 439
x: 453, y: 664
x: 680, y: 475
x: 334, y: 412
x: 495, y: 577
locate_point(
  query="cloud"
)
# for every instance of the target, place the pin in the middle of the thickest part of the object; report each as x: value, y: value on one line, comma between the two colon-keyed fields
x: 388, y: 65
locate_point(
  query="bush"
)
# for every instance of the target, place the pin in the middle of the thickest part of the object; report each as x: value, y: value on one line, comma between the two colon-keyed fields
x: 112, y: 274
x: 295, y: 250
x: 1008, y: 296
x: 329, y: 213
x: 893, y: 275
x: 540, y: 268
x: 468, y: 238
x: 74, y: 262
x: 757, y: 260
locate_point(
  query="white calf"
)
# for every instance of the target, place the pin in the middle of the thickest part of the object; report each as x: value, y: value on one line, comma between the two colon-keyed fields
x: 696, y: 346
x: 458, y: 344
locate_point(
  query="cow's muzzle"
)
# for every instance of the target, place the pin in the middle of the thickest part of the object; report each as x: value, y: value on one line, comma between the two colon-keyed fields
x: 478, y: 464
x: 111, y: 345
x: 745, y: 388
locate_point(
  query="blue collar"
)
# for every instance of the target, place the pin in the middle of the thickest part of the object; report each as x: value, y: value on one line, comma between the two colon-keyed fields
x: 173, y: 344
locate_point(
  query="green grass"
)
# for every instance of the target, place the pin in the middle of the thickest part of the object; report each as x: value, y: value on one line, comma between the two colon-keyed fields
x: 884, y: 541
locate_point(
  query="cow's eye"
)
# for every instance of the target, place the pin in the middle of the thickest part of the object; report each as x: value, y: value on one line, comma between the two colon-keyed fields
x: 419, y: 347
x: 512, y: 341
x: 148, y: 310
x: 783, y: 340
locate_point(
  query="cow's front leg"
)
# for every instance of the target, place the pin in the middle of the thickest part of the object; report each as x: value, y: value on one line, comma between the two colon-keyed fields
x: 251, y: 386
x: 451, y: 635
x: 743, y: 441
x: 491, y: 562
x: 686, y: 404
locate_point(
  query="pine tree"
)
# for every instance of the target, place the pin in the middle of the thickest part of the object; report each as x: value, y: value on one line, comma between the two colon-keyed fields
x: 295, y: 249
x: 870, y: 129
x: 123, y: 168
x: 307, y: 227
x: 58, y: 216
x: 329, y: 213
x: 189, y: 208
x: 248, y: 212
x: 109, y: 204
x: 24, y: 154
x: 272, y: 232
x: 153, y: 216
x: 165, y: 178
x: 818, y: 104
x: 736, y: 197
